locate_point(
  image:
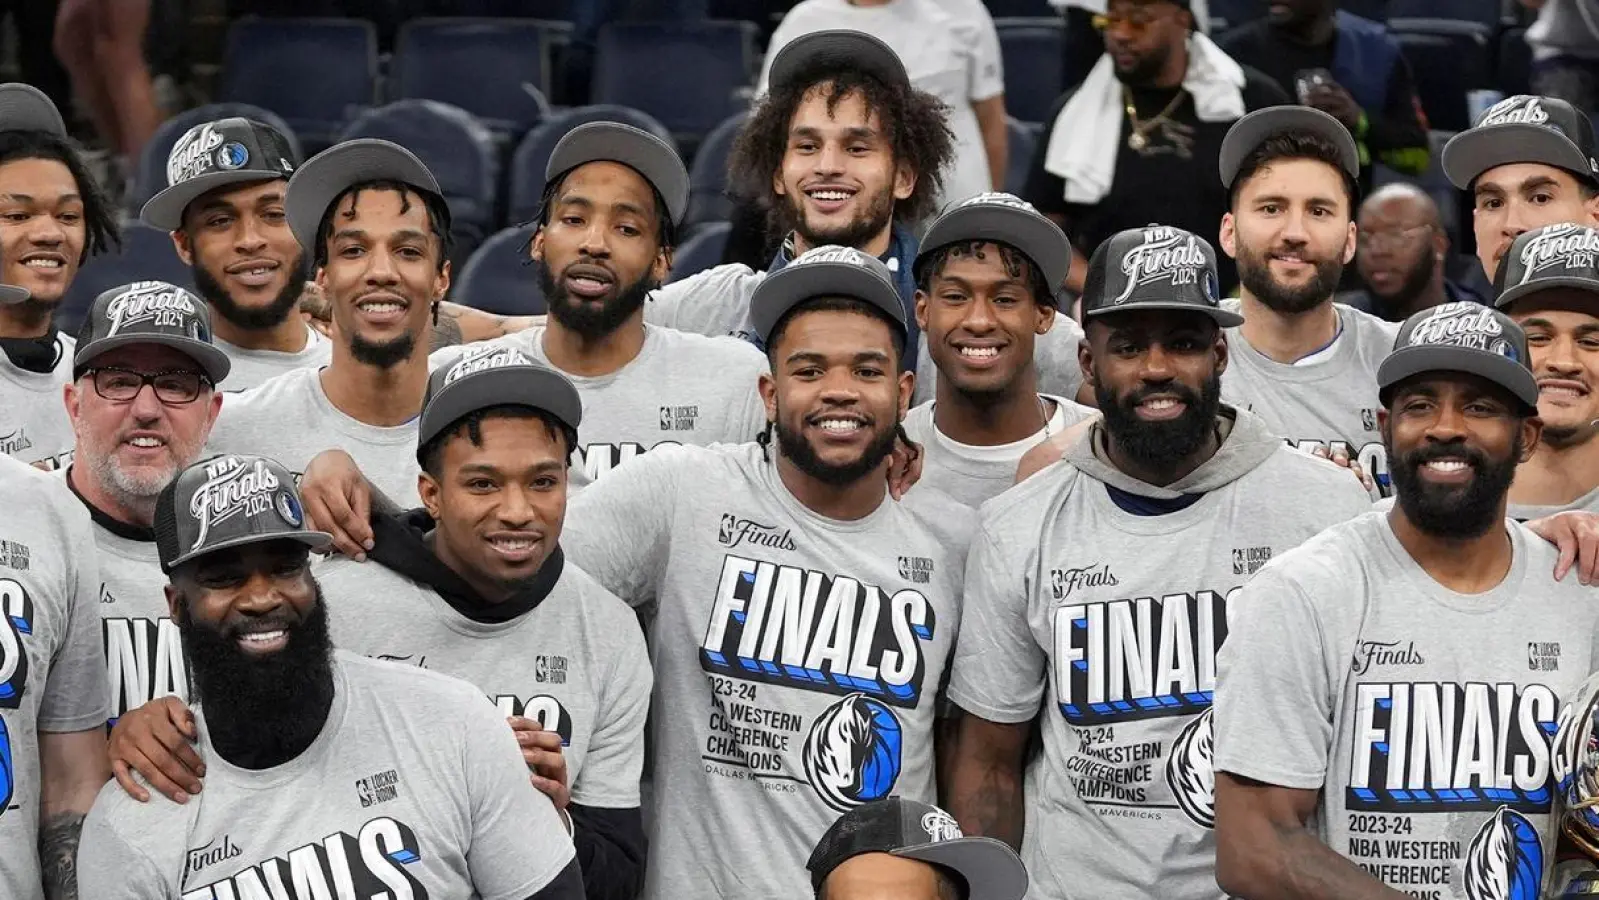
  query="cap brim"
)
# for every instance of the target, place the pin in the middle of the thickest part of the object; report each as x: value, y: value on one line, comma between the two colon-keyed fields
x: 165, y: 209
x: 1038, y: 239
x: 1252, y: 130
x: 1225, y: 318
x: 779, y: 292
x: 1471, y: 153
x: 1537, y: 286
x: 991, y: 869
x: 1408, y: 362
x: 11, y: 294
x: 640, y: 151
x: 837, y: 49
x: 519, y: 385
x: 328, y: 174
x: 315, y: 541
x: 216, y: 364
x: 24, y: 107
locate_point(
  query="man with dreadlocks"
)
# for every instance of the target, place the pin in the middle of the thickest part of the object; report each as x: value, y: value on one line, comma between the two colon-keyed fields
x: 842, y: 150
x: 983, y: 299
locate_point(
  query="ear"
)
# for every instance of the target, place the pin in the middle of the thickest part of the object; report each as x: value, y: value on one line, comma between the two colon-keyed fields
x: 1221, y: 351
x: 180, y: 242
x: 429, y: 491
x: 1531, y: 433
x: 535, y: 250
x: 1349, y: 244
x: 662, y: 266
x: 1085, y: 361
x: 1382, y: 424
x: 907, y: 388
x: 173, y: 600
x: 1228, y: 236
x: 904, y: 181
x: 777, y: 181
x: 767, y: 387
x: 1044, y: 318
x: 921, y: 309
x: 443, y: 286
x: 320, y: 279
x: 1591, y: 204
x: 70, y: 396
x: 215, y: 405
x: 1440, y: 244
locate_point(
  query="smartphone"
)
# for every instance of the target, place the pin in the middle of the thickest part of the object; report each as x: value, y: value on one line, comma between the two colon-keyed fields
x: 1307, y: 80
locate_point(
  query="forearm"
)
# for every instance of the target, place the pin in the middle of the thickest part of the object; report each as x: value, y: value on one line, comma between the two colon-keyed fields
x: 610, y: 849
x: 58, y: 853
x: 985, y: 796
x: 456, y: 324
x: 1293, y: 864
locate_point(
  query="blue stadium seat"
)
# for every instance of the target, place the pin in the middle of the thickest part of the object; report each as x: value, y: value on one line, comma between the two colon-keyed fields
x: 1011, y: 9
x: 1376, y: 10
x: 552, y: 10
x: 1024, y: 137
x: 495, y: 69
x: 152, y: 174
x: 1033, y: 51
x: 317, y: 74
x: 701, y: 251
x: 1236, y: 12
x: 685, y: 74
x: 147, y: 255
x: 455, y: 147
x: 497, y: 279
x: 526, y: 181
x: 1485, y: 12
x: 1448, y: 58
x: 1514, y: 72
x: 707, y: 178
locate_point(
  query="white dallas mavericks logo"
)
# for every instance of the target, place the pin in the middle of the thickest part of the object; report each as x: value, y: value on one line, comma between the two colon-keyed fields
x: 1565, y: 246
x: 232, y: 488
x: 1165, y: 255
x: 156, y: 302
x: 1505, y: 860
x: 853, y: 752
x: 1190, y: 773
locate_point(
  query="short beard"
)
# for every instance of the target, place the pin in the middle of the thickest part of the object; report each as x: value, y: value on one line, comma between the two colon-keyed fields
x: 386, y: 355
x: 266, y: 708
x: 248, y: 318
x: 32, y: 313
x: 582, y: 317
x: 1452, y: 513
x: 793, y: 445
x: 1254, y: 274
x: 1145, y: 70
x: 1160, y: 447
x: 857, y: 233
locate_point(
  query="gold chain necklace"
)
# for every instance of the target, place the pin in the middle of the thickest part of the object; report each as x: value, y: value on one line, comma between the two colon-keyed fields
x: 1139, y: 139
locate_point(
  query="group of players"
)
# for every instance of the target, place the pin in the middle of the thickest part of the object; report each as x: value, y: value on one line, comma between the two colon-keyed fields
x: 773, y: 520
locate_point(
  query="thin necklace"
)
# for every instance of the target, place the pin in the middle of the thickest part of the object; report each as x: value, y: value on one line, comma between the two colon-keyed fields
x: 1049, y: 420
x: 1139, y: 139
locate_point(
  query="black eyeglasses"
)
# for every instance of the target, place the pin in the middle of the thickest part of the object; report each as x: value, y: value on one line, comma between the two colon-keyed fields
x: 173, y: 387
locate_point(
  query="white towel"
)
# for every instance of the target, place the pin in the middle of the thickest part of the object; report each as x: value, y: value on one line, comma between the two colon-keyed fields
x: 1085, y: 138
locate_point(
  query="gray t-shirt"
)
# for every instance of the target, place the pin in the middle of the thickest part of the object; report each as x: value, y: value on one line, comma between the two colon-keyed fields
x: 414, y: 788
x: 1526, y: 512
x: 1327, y: 401
x: 52, y: 676
x: 143, y: 651
x: 1423, y: 717
x: 797, y: 658
x: 975, y: 475
x: 252, y: 368
x: 33, y: 418
x: 291, y: 420
x: 717, y: 301
x: 682, y: 388
x: 575, y: 663
x: 1110, y: 622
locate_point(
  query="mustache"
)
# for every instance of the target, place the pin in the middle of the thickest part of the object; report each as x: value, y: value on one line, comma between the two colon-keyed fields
x: 1172, y: 389
x: 1432, y: 452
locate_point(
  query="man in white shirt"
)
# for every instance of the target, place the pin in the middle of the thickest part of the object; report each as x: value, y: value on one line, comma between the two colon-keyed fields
x: 223, y: 204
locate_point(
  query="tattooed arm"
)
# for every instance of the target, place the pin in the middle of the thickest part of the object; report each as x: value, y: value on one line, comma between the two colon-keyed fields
x: 73, y: 767
x: 985, y: 779
x: 457, y: 324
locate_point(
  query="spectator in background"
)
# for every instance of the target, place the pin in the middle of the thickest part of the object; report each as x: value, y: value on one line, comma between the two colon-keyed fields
x: 1565, y: 50
x: 101, y: 44
x: 1346, y: 66
x: 1401, y: 248
x: 1084, y: 41
x: 950, y: 50
x: 1151, y: 116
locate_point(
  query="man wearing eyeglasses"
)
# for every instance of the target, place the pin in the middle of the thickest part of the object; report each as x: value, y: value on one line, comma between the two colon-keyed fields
x: 141, y: 402
x: 1400, y: 251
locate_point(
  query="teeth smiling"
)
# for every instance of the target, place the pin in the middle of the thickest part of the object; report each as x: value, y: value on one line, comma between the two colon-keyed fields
x: 838, y: 426
x: 1447, y: 465
x: 381, y: 306
x: 43, y: 263
x: 980, y: 352
x: 261, y: 637
x: 1559, y: 391
x: 830, y: 195
x: 514, y: 544
x: 1160, y: 403
x: 145, y: 443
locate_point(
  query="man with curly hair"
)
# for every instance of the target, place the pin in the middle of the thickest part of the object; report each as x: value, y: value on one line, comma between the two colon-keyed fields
x: 842, y: 150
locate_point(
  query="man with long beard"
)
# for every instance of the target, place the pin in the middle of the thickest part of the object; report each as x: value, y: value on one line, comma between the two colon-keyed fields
x: 775, y: 727
x: 1304, y: 364
x: 371, y: 215
x: 53, y: 218
x: 224, y: 205
x: 605, y: 236
x: 1174, y: 495
x: 339, y: 770
x: 1348, y: 652
x: 841, y: 151
x: 141, y: 406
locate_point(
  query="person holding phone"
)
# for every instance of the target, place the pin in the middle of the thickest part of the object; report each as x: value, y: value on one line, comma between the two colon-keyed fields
x: 1345, y: 66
